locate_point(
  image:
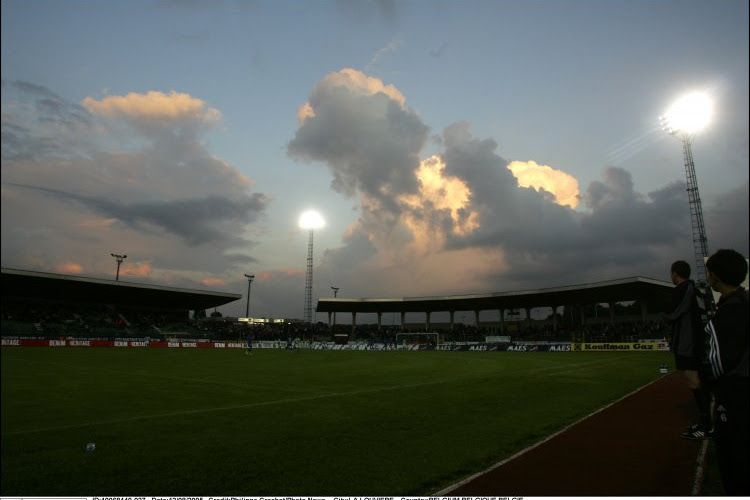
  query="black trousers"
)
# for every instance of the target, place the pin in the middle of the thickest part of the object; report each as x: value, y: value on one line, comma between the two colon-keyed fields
x: 732, y: 437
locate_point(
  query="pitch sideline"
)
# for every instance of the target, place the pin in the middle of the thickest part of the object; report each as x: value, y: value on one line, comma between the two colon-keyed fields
x: 446, y: 491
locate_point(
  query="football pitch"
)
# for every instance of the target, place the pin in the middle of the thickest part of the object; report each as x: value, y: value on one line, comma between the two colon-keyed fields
x: 215, y: 422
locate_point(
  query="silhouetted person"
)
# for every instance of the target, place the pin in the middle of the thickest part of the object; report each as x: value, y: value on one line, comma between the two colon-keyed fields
x: 726, y: 371
x: 688, y: 345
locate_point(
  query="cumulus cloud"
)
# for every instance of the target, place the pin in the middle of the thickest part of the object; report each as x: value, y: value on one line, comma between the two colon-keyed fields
x: 362, y: 129
x: 123, y: 173
x: 467, y: 219
x: 173, y: 108
x: 563, y: 186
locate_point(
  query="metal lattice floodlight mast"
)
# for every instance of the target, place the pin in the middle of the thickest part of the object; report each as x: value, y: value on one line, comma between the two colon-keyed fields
x: 250, y: 278
x: 310, y: 220
x: 309, y: 279
x: 683, y: 120
x: 335, y: 294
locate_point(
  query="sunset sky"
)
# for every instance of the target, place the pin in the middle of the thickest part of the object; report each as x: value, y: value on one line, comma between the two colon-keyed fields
x: 453, y: 147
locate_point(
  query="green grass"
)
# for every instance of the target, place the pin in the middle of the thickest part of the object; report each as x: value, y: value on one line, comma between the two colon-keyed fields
x: 216, y: 422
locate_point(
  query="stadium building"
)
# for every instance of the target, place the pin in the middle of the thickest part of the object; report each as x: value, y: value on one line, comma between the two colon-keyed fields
x: 651, y: 297
x: 44, y: 304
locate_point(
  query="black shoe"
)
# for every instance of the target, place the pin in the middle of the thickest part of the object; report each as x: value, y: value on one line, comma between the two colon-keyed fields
x: 697, y: 432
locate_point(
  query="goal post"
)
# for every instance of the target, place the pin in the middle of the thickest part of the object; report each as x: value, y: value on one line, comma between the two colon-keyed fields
x: 578, y: 339
x: 422, y: 338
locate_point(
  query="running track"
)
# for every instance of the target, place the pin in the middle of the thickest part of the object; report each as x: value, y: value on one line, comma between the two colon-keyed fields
x: 631, y: 448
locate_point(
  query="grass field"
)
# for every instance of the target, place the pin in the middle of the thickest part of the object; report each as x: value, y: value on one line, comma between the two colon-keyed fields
x: 216, y: 422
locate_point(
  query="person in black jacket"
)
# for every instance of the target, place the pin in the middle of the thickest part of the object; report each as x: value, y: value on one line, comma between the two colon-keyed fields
x: 688, y: 344
x: 726, y: 369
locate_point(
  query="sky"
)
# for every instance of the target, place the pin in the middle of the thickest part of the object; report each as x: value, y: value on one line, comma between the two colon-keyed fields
x: 452, y: 147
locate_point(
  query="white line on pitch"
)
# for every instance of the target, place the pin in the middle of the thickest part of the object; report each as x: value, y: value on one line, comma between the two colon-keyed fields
x: 225, y: 408
x: 446, y: 491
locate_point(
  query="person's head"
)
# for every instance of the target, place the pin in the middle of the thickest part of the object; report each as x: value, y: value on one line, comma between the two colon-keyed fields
x: 680, y: 271
x: 726, y: 266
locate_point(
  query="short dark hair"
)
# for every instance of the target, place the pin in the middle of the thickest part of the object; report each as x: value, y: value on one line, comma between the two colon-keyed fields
x: 682, y: 269
x: 728, y: 265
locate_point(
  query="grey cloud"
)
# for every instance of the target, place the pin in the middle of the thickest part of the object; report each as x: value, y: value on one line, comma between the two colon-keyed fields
x: 54, y: 126
x: 721, y: 217
x: 197, y: 221
x: 19, y: 144
x: 622, y: 233
x: 32, y: 89
x: 51, y: 107
x: 179, y: 206
x: 621, y: 229
x: 370, y: 143
x: 616, y: 187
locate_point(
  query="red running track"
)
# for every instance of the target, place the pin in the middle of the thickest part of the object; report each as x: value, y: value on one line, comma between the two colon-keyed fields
x: 632, y: 448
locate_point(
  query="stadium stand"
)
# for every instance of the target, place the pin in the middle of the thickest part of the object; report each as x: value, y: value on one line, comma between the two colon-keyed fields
x: 47, y: 305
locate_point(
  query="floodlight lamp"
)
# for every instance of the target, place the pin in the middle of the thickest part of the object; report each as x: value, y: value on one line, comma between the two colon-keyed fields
x: 689, y: 114
x: 311, y: 220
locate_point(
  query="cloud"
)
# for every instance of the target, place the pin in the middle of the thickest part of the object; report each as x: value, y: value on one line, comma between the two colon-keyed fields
x: 355, y: 82
x: 136, y: 269
x: 173, y: 108
x: 389, y: 47
x: 195, y: 221
x: 563, y: 186
x: 69, y: 268
x: 214, y: 282
x: 439, y: 209
x: 726, y: 220
x: 128, y: 174
x: 468, y: 220
x: 362, y: 129
x: 37, y: 122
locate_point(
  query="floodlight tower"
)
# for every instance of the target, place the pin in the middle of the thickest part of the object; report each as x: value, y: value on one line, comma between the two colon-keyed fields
x: 310, y: 220
x: 686, y: 117
x: 335, y: 294
x: 119, y: 259
x: 250, y: 278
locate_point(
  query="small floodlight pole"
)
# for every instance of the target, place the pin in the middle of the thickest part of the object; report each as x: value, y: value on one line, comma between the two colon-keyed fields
x: 250, y: 278
x: 119, y: 259
x: 335, y: 294
x: 700, y: 241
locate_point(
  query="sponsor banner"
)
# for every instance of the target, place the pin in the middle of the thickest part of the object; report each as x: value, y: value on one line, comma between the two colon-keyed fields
x: 562, y: 347
x: 483, y: 347
x: 648, y: 346
x: 117, y: 343
x: 621, y: 346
